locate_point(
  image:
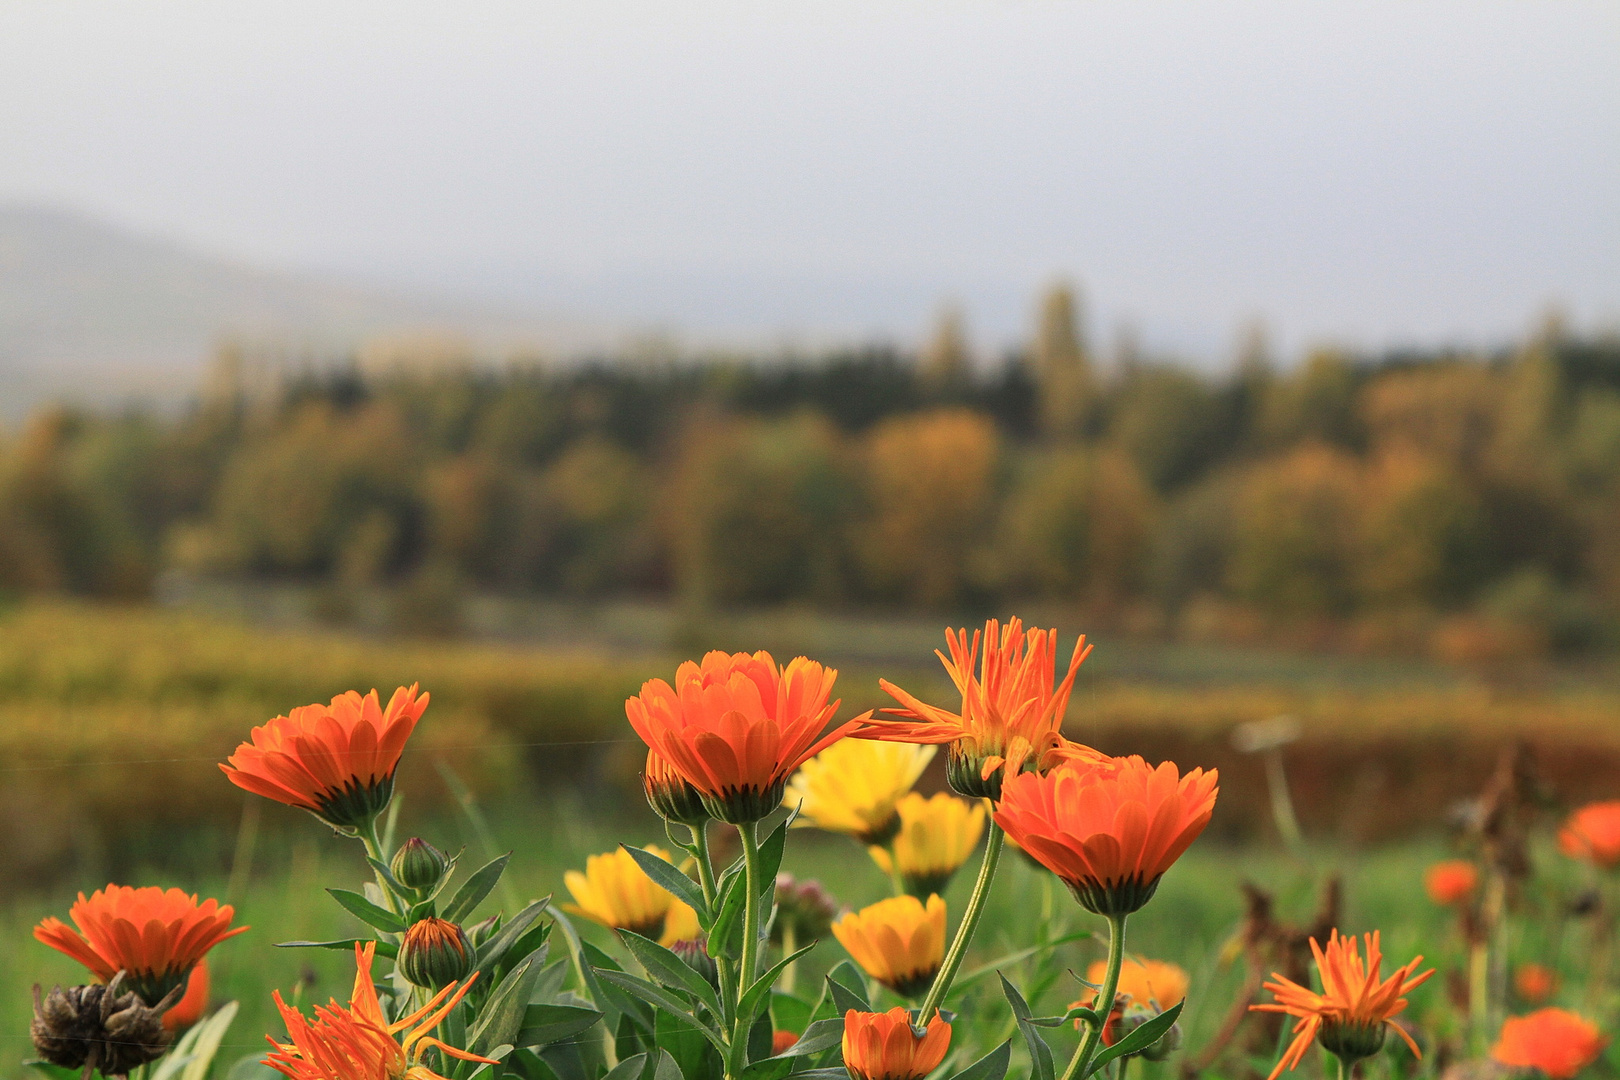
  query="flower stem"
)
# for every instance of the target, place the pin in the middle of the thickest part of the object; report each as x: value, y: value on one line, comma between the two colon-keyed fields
x: 964, y: 930
x: 750, y: 945
x: 368, y: 837
x: 1104, y: 1003
x: 700, y: 841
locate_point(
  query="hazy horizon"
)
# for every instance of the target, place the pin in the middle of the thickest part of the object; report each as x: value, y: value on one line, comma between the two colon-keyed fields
x: 1371, y: 174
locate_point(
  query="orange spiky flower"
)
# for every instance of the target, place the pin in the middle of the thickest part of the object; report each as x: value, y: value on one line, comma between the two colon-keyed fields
x: 337, y: 761
x: 356, y: 1042
x: 1108, y: 831
x: 736, y: 727
x: 1354, y: 1007
x: 1556, y: 1041
x: 156, y: 936
x: 1011, y: 714
x: 882, y: 1045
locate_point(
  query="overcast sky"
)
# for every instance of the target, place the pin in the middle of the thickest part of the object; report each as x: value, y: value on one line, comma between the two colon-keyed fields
x: 1370, y: 173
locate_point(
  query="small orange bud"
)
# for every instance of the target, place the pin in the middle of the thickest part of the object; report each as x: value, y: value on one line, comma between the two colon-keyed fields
x: 1451, y: 882
x: 435, y: 953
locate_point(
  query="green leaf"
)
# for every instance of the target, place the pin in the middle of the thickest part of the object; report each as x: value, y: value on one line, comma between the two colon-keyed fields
x: 384, y: 948
x: 662, y: 999
x: 664, y: 1066
x: 848, y: 988
x: 755, y: 995
x: 367, y: 912
x: 495, y: 948
x: 993, y: 1066
x: 770, y: 857
x: 725, y: 936
x: 691, y: 1050
x: 623, y: 1004
x: 1138, y: 1040
x: 208, y: 1035
x: 669, y: 970
x: 772, y: 1068
x: 1040, y: 1055
x: 819, y: 1036
x: 52, y: 1072
x: 250, y: 1067
x: 503, y: 1014
x: 545, y: 1024
x: 474, y: 889
x: 670, y: 877
x: 791, y: 1011
x: 387, y: 874
x: 630, y: 1068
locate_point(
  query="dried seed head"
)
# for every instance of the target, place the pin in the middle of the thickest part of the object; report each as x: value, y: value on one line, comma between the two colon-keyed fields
x: 99, y: 1028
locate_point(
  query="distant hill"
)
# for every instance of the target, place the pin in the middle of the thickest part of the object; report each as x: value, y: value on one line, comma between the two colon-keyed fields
x: 93, y: 312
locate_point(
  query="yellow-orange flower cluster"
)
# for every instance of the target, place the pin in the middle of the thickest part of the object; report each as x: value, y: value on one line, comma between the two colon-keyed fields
x: 1354, y: 1007
x: 1108, y: 831
x: 337, y: 761
x: 156, y: 936
x: 356, y: 1042
x: 736, y: 726
x: 1011, y: 712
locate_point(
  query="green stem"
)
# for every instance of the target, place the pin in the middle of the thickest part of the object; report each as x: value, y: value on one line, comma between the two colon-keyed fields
x: 368, y: 837
x: 700, y: 841
x: 1344, y: 1069
x: 750, y: 948
x: 1104, y: 1004
x: 964, y: 931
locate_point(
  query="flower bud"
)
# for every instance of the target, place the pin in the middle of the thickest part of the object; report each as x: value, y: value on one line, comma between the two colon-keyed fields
x: 803, y: 906
x: 419, y: 865
x: 670, y: 795
x: 1134, y: 1016
x: 435, y: 953
x: 696, y: 956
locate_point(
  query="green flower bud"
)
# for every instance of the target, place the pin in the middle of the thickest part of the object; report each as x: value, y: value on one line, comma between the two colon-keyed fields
x: 419, y: 865
x: 435, y: 953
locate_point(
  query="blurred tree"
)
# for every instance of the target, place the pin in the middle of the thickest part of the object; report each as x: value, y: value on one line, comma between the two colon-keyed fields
x: 1445, y: 411
x: 1169, y: 422
x: 947, y: 360
x: 1294, y: 549
x: 929, y: 490
x: 1315, y: 402
x: 1062, y: 368
x: 1422, y: 534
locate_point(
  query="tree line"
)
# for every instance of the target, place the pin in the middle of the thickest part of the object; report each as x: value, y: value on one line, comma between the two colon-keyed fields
x: 1467, y: 504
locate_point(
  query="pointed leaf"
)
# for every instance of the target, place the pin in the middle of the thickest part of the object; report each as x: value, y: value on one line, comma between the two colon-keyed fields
x: 474, y: 889
x: 770, y: 857
x: 630, y: 1068
x: 501, y: 1018
x: 669, y: 877
x: 495, y: 948
x: 670, y: 970
x: 1138, y: 1040
x: 545, y: 1024
x: 1040, y: 1055
x: 819, y: 1036
x: 993, y: 1066
x: 367, y: 912
x: 725, y: 936
x: 384, y: 948
x: 663, y: 999
x: 848, y: 988
x: 755, y: 995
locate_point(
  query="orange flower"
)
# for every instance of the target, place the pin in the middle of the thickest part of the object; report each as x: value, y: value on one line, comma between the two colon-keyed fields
x: 1556, y: 1041
x: 1110, y: 831
x: 668, y: 793
x: 737, y: 726
x: 1143, y: 984
x: 1593, y: 833
x: 154, y: 935
x: 1534, y: 983
x: 781, y: 1040
x: 356, y: 1042
x: 1451, y: 881
x: 882, y: 1046
x: 337, y: 761
x: 192, y: 1004
x: 1351, y: 1012
x: 1011, y: 713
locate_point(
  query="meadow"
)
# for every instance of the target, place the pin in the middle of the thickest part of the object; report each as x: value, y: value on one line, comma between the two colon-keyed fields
x: 112, y: 720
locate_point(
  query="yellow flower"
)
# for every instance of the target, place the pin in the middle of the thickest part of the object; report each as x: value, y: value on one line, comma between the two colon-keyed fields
x: 615, y: 892
x: 936, y: 837
x: 852, y: 786
x: 680, y: 924
x: 1146, y: 982
x: 899, y: 941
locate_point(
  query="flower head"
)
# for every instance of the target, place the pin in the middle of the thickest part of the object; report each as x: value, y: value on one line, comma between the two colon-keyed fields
x: 155, y: 935
x: 1534, y: 983
x: 882, y: 1046
x: 936, y: 837
x: 900, y: 942
x: 1011, y: 713
x: 668, y: 793
x: 1108, y: 831
x: 337, y: 761
x: 616, y: 892
x: 1146, y: 987
x: 435, y: 953
x: 356, y: 1042
x: 1556, y: 1041
x: 193, y: 1003
x: 803, y: 907
x: 680, y: 924
x: 853, y: 786
x: 1451, y: 881
x: 1354, y: 1007
x: 736, y: 726
x: 1593, y: 833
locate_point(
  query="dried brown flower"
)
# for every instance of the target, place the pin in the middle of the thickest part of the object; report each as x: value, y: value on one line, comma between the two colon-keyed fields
x: 99, y: 1028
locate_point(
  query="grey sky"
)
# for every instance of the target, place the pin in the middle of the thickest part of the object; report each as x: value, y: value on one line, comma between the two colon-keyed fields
x: 1365, y: 172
